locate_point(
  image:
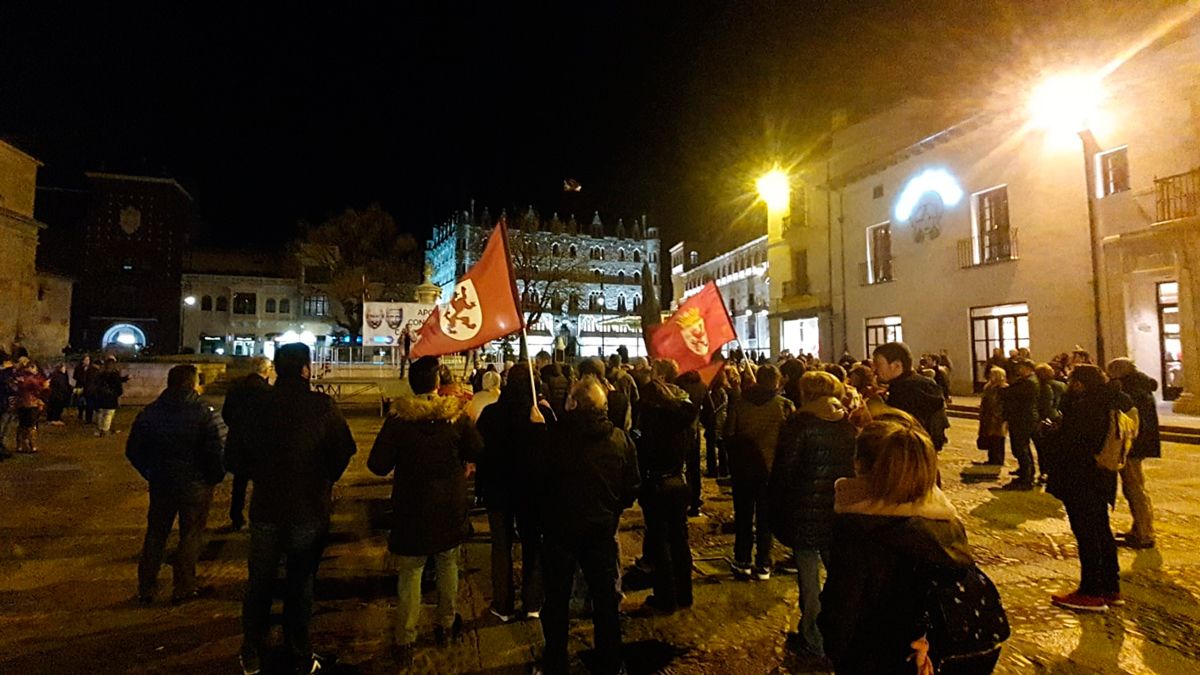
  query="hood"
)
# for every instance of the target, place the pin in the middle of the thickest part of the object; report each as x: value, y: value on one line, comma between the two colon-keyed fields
x: 1138, y: 383
x: 928, y: 530
x: 590, y: 423
x: 829, y: 409
x: 760, y: 395
x: 427, y: 408
x: 850, y: 496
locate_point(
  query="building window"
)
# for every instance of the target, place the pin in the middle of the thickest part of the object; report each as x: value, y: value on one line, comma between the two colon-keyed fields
x: 621, y: 302
x: 799, y: 274
x: 621, y: 277
x: 596, y: 274
x: 732, y: 306
x: 1112, y: 172
x: 992, y: 231
x: 653, y: 257
x: 637, y: 255
x: 285, y: 306
x: 637, y: 302
x: 621, y: 254
x: 222, y: 303
x: 882, y: 330
x: 879, y: 254
x: 637, y: 277
x: 270, y: 308
x: 316, y: 305
x: 245, y: 303
x: 572, y: 252
x: 206, y: 303
x: 999, y: 327
x: 554, y: 250
x: 877, y: 192
x: 693, y: 258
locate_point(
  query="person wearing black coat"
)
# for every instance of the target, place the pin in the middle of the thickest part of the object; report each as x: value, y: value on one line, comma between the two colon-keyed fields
x: 299, y: 447
x: 85, y: 372
x: 107, y: 387
x: 691, y: 383
x: 1019, y: 401
x: 1086, y: 489
x: 506, y: 486
x: 668, y: 419
x: 176, y: 444
x: 429, y: 446
x: 1140, y: 388
x: 816, y: 448
x: 238, y: 412
x: 915, y: 394
x: 60, y: 395
x: 588, y: 474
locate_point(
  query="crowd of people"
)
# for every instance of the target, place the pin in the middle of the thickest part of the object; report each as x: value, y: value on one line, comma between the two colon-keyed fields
x: 29, y: 392
x: 834, y: 465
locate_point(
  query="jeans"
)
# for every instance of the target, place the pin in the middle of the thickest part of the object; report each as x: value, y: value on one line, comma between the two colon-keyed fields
x: 302, y: 544
x: 808, y: 565
x: 501, y: 523
x: 190, y: 503
x: 1133, y: 485
x: 597, y: 556
x: 104, y: 419
x: 1020, y: 440
x: 1098, y: 566
x: 409, y: 569
x: 750, y: 511
x: 664, y: 504
x: 237, y: 500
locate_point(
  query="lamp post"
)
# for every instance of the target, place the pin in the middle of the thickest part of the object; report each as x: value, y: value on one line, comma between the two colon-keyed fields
x: 1068, y: 104
x: 775, y: 190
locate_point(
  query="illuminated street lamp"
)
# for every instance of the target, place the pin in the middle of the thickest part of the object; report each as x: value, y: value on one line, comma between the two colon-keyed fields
x: 1067, y: 104
x: 190, y: 301
x: 774, y: 189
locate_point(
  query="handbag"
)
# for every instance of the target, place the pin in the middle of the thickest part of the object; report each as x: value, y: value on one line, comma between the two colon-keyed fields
x: 1122, y: 430
x: 966, y: 621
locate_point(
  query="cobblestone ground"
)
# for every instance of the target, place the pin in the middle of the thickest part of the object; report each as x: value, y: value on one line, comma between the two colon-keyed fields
x: 73, y: 517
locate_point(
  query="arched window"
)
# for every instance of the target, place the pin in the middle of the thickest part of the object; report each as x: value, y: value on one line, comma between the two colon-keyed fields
x: 270, y: 306
x: 621, y: 254
x: 620, y: 277
x: 637, y: 302
x: 554, y: 250
x: 206, y: 303
x: 572, y: 252
x: 732, y: 306
x: 600, y: 253
x: 621, y: 302
x: 637, y: 277
x: 285, y: 306
x: 597, y: 275
x: 222, y: 303
x: 637, y: 255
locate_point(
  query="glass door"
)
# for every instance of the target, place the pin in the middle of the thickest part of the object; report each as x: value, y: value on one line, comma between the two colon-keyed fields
x: 1003, y: 327
x: 1172, y: 345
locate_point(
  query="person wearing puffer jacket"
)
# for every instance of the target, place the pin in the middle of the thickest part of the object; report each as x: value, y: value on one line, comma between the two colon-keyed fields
x: 816, y: 448
x: 429, y: 445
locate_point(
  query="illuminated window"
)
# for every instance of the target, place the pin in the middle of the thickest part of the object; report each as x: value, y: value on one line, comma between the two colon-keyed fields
x: 879, y: 254
x: 882, y: 330
x: 1112, y: 172
x: 992, y: 230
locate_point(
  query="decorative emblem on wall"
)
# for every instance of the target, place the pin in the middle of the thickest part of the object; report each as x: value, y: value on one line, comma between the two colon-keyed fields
x: 926, y: 220
x: 130, y: 220
x: 924, y: 200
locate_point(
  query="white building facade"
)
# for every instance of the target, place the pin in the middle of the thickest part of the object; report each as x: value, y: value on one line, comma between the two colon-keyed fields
x: 581, y: 284
x: 741, y: 276
x: 974, y: 234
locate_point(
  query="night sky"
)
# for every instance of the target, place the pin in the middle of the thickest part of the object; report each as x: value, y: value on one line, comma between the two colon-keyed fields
x: 273, y: 115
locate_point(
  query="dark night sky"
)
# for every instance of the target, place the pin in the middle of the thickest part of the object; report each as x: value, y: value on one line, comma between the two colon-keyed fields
x: 274, y: 115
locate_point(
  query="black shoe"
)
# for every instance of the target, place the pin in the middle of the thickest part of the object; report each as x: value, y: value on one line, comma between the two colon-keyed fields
x: 1135, y: 544
x: 1019, y: 485
x: 694, y: 512
x: 655, y: 606
x: 145, y: 599
x: 188, y: 596
x: 455, y: 631
x: 402, y: 655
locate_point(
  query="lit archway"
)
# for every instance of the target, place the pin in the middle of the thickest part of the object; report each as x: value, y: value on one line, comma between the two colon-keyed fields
x: 124, y: 335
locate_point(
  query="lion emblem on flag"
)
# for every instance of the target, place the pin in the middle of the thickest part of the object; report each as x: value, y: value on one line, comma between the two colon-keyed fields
x: 695, y: 335
x: 462, y: 317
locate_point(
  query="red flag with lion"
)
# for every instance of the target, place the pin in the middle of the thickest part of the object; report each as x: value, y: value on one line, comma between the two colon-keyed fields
x: 696, y: 331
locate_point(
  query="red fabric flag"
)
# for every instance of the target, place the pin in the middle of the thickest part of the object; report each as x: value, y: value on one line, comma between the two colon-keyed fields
x: 696, y: 331
x: 482, y: 308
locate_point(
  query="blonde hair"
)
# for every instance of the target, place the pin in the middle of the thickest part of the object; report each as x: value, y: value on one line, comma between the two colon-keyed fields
x: 817, y: 384
x: 996, y: 377
x: 897, y: 461
x: 588, y: 394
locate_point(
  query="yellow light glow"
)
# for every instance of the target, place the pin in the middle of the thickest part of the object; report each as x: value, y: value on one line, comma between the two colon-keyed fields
x: 1066, y: 103
x: 774, y: 188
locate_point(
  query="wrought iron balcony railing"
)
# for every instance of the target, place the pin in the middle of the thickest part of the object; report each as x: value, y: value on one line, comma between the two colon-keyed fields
x: 993, y: 247
x: 1177, y: 196
x: 877, y: 271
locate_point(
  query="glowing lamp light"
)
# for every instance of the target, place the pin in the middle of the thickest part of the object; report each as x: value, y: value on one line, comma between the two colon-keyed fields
x: 929, y: 180
x: 1066, y: 103
x: 774, y: 188
x: 126, y: 339
x: 308, y: 338
x: 288, y: 338
x: 190, y: 300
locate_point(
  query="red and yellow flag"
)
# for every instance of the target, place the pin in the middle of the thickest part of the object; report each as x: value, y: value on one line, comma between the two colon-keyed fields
x: 696, y: 331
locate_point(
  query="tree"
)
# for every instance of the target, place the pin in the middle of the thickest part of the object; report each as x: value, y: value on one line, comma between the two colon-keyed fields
x: 357, y: 255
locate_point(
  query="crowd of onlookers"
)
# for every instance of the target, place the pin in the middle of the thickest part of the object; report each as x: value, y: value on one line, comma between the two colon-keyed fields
x: 835, y: 464
x: 29, y: 392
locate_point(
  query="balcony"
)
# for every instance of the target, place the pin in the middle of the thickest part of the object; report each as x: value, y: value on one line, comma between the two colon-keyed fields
x: 878, y: 271
x: 1177, y: 196
x: 995, y: 247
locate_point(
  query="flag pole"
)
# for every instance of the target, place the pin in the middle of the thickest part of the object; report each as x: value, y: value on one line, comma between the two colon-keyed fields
x: 535, y: 415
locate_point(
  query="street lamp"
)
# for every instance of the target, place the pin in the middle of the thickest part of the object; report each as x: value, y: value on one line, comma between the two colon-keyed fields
x: 774, y: 189
x: 1067, y: 104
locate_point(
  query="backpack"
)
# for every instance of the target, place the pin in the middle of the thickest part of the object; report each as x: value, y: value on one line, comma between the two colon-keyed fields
x: 1122, y: 430
x: 966, y: 621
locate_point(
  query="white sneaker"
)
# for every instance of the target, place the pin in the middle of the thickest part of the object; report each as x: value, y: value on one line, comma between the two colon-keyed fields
x: 504, y: 618
x: 254, y: 670
x: 762, y: 573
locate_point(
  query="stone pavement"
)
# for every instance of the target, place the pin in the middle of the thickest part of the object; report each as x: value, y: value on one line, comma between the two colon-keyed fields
x: 73, y: 518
